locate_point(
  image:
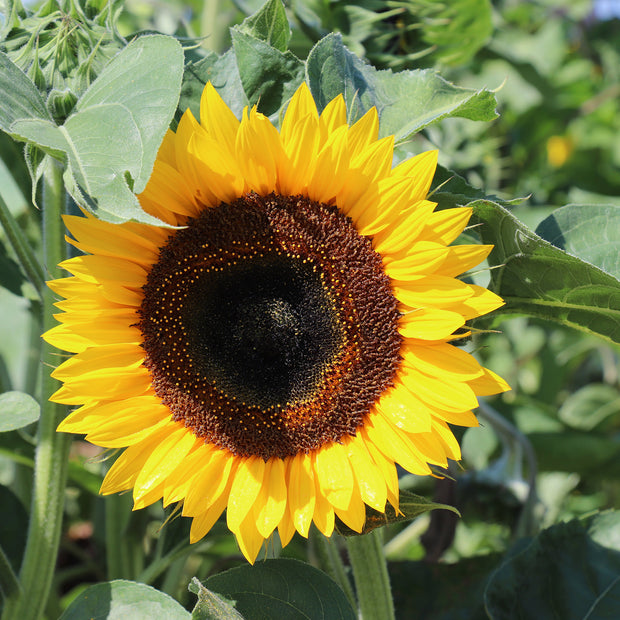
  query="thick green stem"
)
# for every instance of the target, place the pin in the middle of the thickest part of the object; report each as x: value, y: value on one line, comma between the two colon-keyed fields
x: 50, y: 469
x: 372, y: 582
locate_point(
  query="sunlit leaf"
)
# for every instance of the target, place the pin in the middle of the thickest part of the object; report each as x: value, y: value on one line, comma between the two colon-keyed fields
x: 589, y: 232
x: 538, y: 279
x: 124, y: 599
x: 17, y: 410
x: 406, y: 101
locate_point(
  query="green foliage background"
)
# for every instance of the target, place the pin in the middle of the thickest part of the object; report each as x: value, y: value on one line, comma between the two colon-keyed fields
x: 539, y: 536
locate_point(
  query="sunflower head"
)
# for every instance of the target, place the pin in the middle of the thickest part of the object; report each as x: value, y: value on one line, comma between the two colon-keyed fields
x: 280, y: 349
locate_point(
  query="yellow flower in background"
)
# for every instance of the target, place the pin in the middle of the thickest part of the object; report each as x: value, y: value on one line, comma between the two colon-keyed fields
x: 283, y: 349
x: 559, y: 149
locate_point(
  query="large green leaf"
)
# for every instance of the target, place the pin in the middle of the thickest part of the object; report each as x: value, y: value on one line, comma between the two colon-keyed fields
x: 282, y: 589
x: 590, y: 232
x: 537, y: 279
x: 17, y: 410
x: 269, y: 76
x: 124, y: 600
x: 569, y: 571
x: 20, y: 97
x: 406, y: 101
x: 111, y: 141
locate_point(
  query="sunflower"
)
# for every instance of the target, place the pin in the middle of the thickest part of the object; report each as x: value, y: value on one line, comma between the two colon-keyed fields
x: 284, y: 340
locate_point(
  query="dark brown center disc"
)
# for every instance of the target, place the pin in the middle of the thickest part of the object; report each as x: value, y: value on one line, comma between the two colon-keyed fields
x: 270, y: 326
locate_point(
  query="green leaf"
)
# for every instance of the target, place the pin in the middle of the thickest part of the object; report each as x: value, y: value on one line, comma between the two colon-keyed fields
x: 211, y: 606
x: 538, y: 279
x: 410, y: 506
x: 145, y: 77
x: 269, y: 76
x: 269, y: 24
x: 111, y: 141
x: 589, y: 232
x: 569, y: 571
x: 589, y: 406
x: 17, y: 410
x: 406, y: 101
x: 20, y: 97
x: 124, y: 600
x: 282, y: 589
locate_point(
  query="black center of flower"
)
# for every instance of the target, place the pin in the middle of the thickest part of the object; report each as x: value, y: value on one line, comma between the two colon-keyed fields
x: 263, y: 329
x: 269, y: 326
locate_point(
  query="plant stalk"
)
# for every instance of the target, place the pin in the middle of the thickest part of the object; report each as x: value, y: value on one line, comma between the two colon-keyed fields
x: 50, y: 468
x: 372, y: 581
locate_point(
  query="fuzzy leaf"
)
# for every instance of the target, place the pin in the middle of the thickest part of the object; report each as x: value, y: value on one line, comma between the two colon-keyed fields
x: 406, y: 101
x: 20, y: 97
x: 538, y: 279
x: 111, y: 140
x: 122, y: 599
x: 269, y: 76
x: 589, y: 232
x: 17, y: 410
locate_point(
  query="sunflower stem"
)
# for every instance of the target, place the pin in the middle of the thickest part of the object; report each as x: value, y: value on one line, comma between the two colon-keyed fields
x: 50, y: 468
x: 370, y: 572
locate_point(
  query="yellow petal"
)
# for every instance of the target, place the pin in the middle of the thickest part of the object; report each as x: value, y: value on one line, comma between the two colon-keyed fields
x: 249, y: 539
x: 270, y: 504
x: 432, y: 291
x: 489, y: 384
x: 334, y: 474
x: 441, y: 359
x: 422, y: 168
x: 371, y: 483
x: 301, y: 492
x: 246, y: 486
x: 163, y: 459
x: 211, y: 481
x: 446, y: 225
x: 462, y: 258
x: 430, y: 323
x: 217, y: 118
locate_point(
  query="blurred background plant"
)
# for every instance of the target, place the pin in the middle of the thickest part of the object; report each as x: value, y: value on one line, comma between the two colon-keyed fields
x: 546, y: 452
